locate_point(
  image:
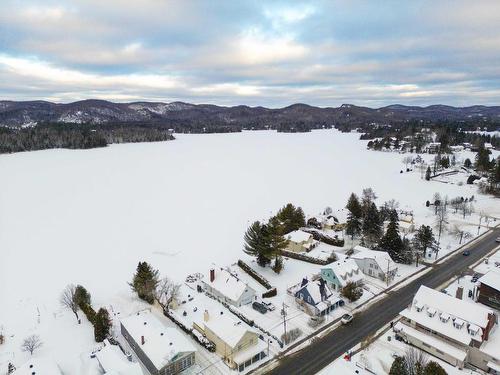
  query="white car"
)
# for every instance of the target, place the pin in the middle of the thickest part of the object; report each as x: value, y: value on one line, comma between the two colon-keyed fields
x: 346, y: 319
x: 269, y: 305
x: 497, y: 239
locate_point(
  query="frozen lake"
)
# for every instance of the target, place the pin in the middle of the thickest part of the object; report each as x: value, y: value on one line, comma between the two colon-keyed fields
x: 89, y: 216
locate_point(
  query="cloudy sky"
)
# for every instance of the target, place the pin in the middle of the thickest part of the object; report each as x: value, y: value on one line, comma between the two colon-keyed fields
x: 266, y: 53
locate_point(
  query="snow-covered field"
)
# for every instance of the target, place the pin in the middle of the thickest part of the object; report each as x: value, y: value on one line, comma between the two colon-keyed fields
x: 89, y: 216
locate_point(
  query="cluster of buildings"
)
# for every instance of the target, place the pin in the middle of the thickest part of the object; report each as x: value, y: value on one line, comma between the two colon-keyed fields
x: 453, y: 329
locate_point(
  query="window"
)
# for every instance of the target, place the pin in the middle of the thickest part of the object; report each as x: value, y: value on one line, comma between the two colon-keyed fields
x: 371, y: 265
x: 241, y: 368
x: 256, y: 357
x: 309, y: 299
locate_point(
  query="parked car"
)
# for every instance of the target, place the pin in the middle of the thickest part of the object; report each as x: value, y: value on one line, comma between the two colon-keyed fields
x: 346, y: 318
x: 259, y: 307
x: 269, y: 305
x: 497, y: 239
x: 466, y: 253
x: 475, y: 277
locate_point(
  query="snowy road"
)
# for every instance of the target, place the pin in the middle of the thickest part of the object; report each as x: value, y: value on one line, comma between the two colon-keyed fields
x: 331, y: 346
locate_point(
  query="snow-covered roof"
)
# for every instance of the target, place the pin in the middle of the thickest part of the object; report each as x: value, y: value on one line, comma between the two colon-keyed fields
x: 227, y: 284
x: 248, y: 353
x: 230, y: 330
x: 382, y: 258
x: 113, y: 361
x: 346, y: 271
x: 39, y: 366
x: 298, y: 236
x: 161, y: 344
x: 432, y: 341
x: 314, y: 291
x: 460, y: 311
x: 492, y: 279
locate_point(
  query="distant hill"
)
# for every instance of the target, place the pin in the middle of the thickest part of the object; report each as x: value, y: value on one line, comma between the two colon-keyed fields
x: 179, y: 115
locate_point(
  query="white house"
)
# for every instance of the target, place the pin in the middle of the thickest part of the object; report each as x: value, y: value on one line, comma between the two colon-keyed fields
x: 299, y: 241
x: 113, y: 361
x: 374, y: 263
x: 162, y: 350
x: 227, y: 287
x: 454, y: 330
x: 338, y: 274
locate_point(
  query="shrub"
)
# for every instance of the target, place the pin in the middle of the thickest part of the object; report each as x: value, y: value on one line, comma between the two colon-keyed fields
x: 270, y: 293
x: 352, y: 291
x: 291, y: 335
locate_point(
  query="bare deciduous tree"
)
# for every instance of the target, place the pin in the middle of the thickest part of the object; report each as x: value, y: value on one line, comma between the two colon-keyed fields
x: 407, y: 160
x: 31, y: 343
x: 460, y: 234
x: 415, y: 360
x: 166, y: 292
x: 441, y: 222
x: 69, y: 301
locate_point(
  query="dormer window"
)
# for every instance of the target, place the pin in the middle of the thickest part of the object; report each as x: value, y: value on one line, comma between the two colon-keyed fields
x: 431, y: 312
x: 473, y: 329
x: 419, y: 307
x: 458, y: 323
x: 444, y: 317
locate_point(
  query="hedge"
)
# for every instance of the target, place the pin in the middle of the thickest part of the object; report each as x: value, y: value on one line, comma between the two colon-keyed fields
x: 254, y: 274
x: 308, y: 259
x: 318, y: 236
x: 270, y: 293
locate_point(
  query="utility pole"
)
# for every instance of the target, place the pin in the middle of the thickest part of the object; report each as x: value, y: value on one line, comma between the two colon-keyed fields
x: 283, y: 312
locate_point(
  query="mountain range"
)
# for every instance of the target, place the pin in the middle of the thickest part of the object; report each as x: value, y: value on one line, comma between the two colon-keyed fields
x: 18, y: 114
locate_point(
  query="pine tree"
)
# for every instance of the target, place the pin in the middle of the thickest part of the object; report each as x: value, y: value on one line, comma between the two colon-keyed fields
x: 467, y: 163
x: 291, y: 217
x: 145, y: 281
x: 483, y: 159
x: 372, y: 227
x: 102, y: 325
x: 82, y: 297
x: 354, y: 206
x: 277, y: 242
x: 257, y: 243
x: 368, y: 196
x: 398, y: 367
x: 353, y: 225
x: 391, y: 241
x: 428, y: 173
x: 424, y: 238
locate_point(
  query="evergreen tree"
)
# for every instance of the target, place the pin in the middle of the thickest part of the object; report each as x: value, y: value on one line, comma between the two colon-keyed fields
x: 433, y: 368
x: 354, y: 206
x: 467, y: 163
x: 424, y: 238
x: 391, y: 241
x: 353, y: 225
x: 291, y: 217
x: 102, y: 325
x: 483, y: 159
x: 257, y: 243
x: 82, y: 297
x: 277, y: 242
x: 428, y: 173
x: 145, y: 281
x: 372, y: 226
x: 398, y: 367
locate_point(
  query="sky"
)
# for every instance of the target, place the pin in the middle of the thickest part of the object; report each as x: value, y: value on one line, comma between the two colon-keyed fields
x: 268, y: 53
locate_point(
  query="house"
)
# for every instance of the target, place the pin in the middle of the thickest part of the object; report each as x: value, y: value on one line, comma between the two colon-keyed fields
x: 39, y: 366
x: 456, y: 148
x: 113, y: 361
x: 405, y: 227
x: 433, y: 147
x: 489, y: 289
x: 454, y: 330
x: 299, y: 241
x: 237, y: 344
x: 316, y: 298
x: 338, y: 274
x: 227, y: 287
x: 160, y: 349
x: 375, y: 263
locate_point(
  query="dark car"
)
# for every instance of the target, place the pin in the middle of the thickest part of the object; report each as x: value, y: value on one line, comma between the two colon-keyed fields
x: 259, y: 307
x: 466, y: 253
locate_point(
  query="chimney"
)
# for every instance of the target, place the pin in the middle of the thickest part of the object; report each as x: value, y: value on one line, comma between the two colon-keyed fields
x: 212, y: 275
x: 460, y: 292
x: 142, y: 340
x: 206, y: 316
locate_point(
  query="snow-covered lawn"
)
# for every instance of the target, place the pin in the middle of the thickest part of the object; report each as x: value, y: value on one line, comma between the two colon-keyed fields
x: 89, y: 216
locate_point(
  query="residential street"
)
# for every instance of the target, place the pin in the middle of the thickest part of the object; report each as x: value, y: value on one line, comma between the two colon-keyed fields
x: 325, y: 350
